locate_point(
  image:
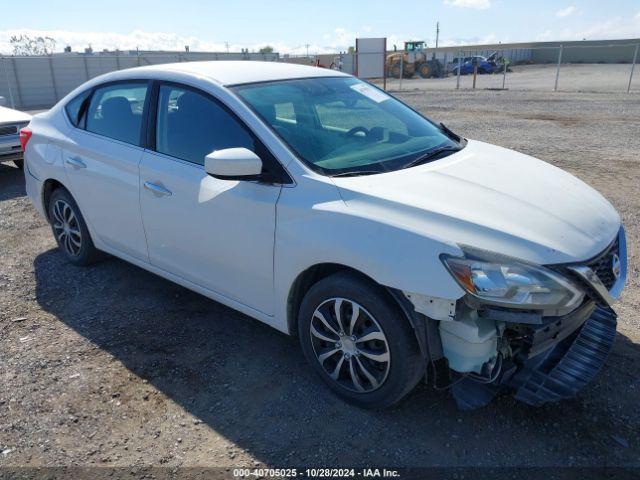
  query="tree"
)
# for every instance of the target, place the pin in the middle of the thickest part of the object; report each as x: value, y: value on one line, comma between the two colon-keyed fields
x: 266, y: 49
x: 26, y: 45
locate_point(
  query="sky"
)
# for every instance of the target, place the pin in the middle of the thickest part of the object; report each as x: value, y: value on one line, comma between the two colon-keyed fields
x: 302, y: 26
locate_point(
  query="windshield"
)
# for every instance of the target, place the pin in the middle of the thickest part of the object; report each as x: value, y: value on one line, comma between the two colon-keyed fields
x: 341, y: 125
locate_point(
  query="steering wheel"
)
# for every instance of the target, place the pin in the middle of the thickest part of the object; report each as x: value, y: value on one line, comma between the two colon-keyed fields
x: 357, y: 129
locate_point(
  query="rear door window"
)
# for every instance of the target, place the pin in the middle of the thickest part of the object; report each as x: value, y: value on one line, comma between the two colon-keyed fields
x: 115, y: 111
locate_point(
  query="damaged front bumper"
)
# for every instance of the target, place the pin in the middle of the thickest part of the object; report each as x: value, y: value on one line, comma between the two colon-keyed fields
x: 562, y: 371
x: 555, y: 360
x: 538, y: 358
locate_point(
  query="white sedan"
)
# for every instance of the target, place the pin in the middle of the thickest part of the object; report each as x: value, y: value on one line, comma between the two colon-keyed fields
x: 11, y: 121
x: 393, y: 248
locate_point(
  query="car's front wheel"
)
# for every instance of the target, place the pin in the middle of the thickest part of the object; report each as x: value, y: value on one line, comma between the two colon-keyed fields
x: 359, y: 341
x: 70, y: 229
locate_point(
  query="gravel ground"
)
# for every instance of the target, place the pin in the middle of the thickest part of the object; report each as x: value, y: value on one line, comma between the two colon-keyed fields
x: 111, y: 365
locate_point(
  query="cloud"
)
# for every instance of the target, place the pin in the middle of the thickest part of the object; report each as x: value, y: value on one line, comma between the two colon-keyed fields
x: 608, y: 29
x: 544, y: 36
x: 475, y: 4
x: 144, y: 40
x: 339, y: 39
x: 111, y: 41
x: 565, y: 12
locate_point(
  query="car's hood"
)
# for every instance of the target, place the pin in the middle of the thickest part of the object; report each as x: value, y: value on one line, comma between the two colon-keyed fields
x: 8, y: 115
x: 491, y: 198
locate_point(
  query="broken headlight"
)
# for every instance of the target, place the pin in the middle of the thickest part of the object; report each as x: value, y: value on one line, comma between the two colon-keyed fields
x: 507, y: 282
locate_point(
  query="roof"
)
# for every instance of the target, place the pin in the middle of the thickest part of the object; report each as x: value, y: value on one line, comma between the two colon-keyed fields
x: 234, y: 72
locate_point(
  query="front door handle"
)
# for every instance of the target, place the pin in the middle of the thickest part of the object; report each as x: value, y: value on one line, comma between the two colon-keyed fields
x: 156, y: 189
x: 76, y: 162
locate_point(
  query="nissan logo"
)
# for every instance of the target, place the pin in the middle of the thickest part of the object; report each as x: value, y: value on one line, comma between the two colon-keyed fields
x: 616, y: 266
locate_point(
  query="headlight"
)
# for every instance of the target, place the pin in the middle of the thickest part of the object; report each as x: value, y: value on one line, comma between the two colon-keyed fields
x: 503, y: 281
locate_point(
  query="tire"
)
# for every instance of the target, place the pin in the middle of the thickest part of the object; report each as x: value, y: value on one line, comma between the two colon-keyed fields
x: 378, y: 383
x: 395, y: 69
x: 70, y: 230
x: 19, y: 164
x: 424, y: 70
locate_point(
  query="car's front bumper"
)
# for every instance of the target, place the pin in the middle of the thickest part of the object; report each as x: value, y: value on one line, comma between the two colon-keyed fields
x: 562, y: 371
x: 561, y: 355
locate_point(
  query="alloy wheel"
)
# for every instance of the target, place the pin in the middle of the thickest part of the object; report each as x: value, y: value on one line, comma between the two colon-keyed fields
x: 350, y: 345
x: 67, y: 228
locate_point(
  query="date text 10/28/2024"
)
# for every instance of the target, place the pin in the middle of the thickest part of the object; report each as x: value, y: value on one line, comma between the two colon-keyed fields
x: 316, y: 473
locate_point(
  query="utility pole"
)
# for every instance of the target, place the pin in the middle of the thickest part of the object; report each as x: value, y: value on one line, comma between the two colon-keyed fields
x: 437, y: 33
x: 307, y: 47
x: 226, y: 44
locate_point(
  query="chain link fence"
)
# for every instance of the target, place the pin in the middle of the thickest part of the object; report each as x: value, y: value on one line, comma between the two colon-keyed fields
x: 572, y: 68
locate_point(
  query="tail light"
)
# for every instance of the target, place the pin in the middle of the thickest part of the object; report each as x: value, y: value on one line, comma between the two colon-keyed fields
x: 25, y: 136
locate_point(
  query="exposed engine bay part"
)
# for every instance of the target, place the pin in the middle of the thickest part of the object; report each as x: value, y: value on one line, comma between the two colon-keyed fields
x: 433, y: 307
x: 541, y: 363
x: 470, y: 342
x: 478, y: 352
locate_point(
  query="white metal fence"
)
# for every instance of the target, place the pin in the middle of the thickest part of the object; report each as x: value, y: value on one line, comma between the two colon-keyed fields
x: 40, y: 81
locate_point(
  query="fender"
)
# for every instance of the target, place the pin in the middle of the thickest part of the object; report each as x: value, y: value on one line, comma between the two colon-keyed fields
x: 310, y: 231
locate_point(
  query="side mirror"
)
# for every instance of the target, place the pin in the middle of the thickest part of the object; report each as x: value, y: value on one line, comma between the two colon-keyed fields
x: 233, y: 164
x: 3, y: 102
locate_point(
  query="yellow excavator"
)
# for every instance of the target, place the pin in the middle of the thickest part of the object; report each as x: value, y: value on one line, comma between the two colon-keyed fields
x: 413, y: 60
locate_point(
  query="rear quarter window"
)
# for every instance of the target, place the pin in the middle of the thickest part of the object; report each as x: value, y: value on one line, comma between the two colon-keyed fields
x: 73, y: 107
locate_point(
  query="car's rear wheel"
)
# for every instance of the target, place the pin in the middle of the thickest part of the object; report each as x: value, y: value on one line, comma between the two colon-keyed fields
x: 19, y: 164
x: 359, y: 341
x: 70, y: 229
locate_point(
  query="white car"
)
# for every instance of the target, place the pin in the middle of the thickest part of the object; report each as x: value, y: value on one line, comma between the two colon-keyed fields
x: 394, y: 249
x: 11, y: 121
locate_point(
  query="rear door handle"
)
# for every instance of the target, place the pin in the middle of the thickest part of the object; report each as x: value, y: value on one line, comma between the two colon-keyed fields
x: 76, y: 162
x: 156, y: 189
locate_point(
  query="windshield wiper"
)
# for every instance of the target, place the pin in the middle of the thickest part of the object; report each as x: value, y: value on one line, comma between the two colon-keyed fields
x: 356, y: 173
x: 431, y: 155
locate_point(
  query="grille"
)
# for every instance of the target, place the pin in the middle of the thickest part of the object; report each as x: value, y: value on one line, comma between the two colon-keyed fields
x: 8, y: 130
x: 602, y: 265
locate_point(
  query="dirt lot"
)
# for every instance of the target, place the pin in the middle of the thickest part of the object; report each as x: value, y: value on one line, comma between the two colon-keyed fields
x: 111, y: 365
